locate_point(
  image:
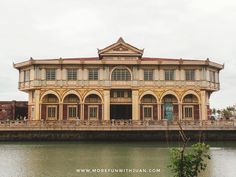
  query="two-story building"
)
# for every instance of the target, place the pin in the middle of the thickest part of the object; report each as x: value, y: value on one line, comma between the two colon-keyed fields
x: 118, y: 84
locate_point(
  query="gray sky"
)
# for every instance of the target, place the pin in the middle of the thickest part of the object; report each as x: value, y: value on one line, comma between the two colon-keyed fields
x: 196, y: 29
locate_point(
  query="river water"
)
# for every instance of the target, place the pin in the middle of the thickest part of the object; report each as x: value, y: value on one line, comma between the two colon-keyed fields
x: 136, y: 159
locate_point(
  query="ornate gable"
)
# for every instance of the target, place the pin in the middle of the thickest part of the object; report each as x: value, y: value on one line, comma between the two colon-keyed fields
x: 120, y: 49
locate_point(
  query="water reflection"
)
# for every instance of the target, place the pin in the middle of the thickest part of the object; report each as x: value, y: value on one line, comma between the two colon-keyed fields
x: 61, y: 159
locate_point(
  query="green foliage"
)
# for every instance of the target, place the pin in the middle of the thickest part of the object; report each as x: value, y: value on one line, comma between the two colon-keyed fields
x: 191, y: 163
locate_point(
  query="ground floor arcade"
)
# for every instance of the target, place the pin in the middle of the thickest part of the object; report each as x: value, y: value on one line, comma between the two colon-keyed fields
x: 120, y: 104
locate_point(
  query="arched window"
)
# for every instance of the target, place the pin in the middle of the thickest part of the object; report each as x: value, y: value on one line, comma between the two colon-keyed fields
x: 121, y: 74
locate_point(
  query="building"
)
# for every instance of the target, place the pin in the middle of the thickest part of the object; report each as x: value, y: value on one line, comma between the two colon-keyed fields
x: 118, y: 84
x: 13, y: 110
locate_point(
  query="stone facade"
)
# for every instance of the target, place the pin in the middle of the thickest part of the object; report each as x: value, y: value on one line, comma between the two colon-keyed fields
x: 118, y: 84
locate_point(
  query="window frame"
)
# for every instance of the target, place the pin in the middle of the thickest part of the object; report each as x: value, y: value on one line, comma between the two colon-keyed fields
x: 169, y: 73
x: 148, y: 74
x: 49, y: 74
x: 147, y: 107
x: 27, y: 75
x: 68, y: 111
x: 190, y: 74
x: 185, y: 116
x: 89, y: 109
x: 51, y: 118
x: 94, y: 75
x: 72, y: 74
x: 212, y: 76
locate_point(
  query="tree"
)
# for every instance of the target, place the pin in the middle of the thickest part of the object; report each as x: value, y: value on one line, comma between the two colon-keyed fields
x: 214, y: 111
x: 192, y: 163
x: 188, y: 164
x: 226, y: 113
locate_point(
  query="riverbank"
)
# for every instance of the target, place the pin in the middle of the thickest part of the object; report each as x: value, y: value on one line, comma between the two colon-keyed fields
x: 162, y: 135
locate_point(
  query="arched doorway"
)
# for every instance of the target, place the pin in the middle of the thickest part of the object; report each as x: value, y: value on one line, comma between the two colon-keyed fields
x: 93, y: 107
x: 148, y: 107
x: 169, y: 107
x: 71, y: 107
x: 50, y: 107
x: 190, y: 107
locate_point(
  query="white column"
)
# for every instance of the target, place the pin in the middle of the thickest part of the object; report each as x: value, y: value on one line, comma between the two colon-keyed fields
x: 106, y: 105
x: 37, y: 105
x: 135, y: 109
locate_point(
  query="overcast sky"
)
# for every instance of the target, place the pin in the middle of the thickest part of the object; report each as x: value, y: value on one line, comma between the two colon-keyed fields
x: 196, y: 29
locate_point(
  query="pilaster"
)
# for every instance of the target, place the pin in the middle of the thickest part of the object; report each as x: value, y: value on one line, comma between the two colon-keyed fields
x: 36, y: 105
x: 203, y: 106
x: 180, y: 111
x: 135, y: 103
x: 159, y: 111
x: 60, y: 111
x: 106, y: 105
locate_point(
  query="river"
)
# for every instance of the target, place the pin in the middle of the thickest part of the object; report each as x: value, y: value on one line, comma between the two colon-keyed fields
x: 115, y: 159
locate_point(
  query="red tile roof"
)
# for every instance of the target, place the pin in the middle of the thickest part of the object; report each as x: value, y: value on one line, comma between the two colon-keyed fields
x: 143, y: 58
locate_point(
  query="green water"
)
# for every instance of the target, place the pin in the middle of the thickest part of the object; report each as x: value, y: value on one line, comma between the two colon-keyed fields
x: 64, y: 159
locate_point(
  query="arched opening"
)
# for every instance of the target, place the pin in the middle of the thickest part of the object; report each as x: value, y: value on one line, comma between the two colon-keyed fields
x: 169, y: 108
x: 71, y: 107
x: 121, y: 74
x: 190, y: 107
x: 93, y: 107
x: 121, y: 104
x: 148, y: 107
x: 50, y: 107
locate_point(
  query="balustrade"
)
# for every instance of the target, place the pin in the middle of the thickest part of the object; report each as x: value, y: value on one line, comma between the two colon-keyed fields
x: 159, y: 124
x: 108, y: 83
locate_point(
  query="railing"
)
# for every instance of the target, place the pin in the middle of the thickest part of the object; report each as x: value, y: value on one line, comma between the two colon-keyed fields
x: 116, y: 125
x: 108, y: 83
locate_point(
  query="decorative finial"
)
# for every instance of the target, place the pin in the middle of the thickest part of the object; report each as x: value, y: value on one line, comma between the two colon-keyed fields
x: 120, y: 40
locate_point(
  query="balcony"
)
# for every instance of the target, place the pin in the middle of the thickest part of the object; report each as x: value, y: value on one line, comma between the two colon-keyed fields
x: 118, y: 84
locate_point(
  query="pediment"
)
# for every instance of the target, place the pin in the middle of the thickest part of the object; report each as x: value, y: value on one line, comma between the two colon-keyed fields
x: 120, y: 48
